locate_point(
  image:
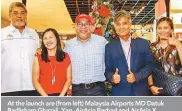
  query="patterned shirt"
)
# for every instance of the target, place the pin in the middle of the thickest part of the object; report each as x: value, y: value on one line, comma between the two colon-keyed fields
x: 171, y: 63
x: 87, y: 59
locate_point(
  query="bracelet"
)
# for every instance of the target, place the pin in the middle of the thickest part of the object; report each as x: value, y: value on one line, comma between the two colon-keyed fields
x: 151, y: 85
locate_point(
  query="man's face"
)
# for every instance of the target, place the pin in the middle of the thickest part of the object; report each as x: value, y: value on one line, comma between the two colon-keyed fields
x: 122, y: 26
x: 18, y: 17
x: 83, y: 29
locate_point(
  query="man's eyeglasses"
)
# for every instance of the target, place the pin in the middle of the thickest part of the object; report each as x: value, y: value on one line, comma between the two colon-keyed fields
x: 21, y: 13
x: 80, y: 24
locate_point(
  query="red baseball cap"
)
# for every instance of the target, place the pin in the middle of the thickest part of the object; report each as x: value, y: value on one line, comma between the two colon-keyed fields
x: 85, y: 16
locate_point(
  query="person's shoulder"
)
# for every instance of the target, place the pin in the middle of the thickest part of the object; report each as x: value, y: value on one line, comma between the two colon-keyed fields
x: 33, y: 33
x: 66, y: 54
x: 5, y: 32
x: 98, y: 38
x: 31, y: 30
x: 5, y: 29
x: 141, y: 41
x: 67, y: 57
x: 112, y: 43
x: 70, y: 41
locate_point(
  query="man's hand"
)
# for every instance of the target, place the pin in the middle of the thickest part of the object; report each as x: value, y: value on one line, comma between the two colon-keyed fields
x: 116, y: 77
x: 130, y: 77
x: 134, y: 35
x: 38, y: 51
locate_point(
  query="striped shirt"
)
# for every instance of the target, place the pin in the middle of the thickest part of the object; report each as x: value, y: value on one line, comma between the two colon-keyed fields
x: 87, y: 59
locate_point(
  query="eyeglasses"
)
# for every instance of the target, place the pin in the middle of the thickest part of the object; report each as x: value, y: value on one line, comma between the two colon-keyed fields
x: 80, y: 24
x: 21, y: 13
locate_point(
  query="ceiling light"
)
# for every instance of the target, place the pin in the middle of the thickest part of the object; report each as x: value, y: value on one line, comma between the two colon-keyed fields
x: 143, y: 7
x: 136, y: 13
x: 132, y: 11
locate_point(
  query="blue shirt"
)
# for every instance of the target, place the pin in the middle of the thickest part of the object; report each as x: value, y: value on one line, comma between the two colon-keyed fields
x: 87, y: 59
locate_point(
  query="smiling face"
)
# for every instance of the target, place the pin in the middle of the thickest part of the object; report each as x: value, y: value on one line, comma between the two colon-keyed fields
x: 18, y: 17
x: 164, y: 30
x: 122, y: 26
x: 49, y: 40
x: 83, y: 29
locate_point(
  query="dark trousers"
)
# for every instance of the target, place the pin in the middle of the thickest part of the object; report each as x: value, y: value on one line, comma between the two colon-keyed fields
x: 55, y: 94
x: 21, y: 93
x: 95, y: 90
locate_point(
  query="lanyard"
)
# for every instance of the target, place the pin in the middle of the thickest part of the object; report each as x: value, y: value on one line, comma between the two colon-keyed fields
x: 127, y: 57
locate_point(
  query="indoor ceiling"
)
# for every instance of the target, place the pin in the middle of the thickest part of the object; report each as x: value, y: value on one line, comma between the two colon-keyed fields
x: 60, y: 14
x: 145, y: 8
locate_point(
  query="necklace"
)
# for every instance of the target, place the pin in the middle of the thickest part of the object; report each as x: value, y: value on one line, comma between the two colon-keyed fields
x: 53, y: 72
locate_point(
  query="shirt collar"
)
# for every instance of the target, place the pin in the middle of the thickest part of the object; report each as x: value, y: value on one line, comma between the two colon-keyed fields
x: 13, y: 29
x: 129, y: 40
x: 88, y: 42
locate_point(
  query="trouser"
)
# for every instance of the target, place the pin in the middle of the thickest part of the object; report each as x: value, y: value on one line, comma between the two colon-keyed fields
x: 21, y: 93
x: 91, y: 89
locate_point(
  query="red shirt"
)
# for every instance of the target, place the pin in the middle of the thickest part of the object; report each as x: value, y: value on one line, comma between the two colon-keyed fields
x: 53, y: 69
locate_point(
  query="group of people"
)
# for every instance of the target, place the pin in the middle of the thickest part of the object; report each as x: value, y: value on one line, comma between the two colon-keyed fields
x: 87, y: 60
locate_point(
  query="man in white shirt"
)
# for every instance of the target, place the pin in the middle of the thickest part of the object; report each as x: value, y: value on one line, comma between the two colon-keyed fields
x: 18, y: 46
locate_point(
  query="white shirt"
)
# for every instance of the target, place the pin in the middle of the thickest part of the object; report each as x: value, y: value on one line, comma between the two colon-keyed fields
x: 17, y: 54
x: 127, y: 50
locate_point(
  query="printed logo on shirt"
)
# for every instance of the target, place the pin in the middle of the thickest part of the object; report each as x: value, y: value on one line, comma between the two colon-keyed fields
x: 31, y: 37
x: 9, y: 36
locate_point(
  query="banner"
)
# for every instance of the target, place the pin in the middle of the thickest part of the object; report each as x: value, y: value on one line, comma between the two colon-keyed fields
x: 91, y: 103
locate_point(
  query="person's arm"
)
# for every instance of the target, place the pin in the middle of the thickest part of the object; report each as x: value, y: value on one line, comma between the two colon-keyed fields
x: 68, y: 81
x: 109, y: 72
x: 174, y: 41
x: 179, y: 49
x: 150, y: 80
x: 154, y: 89
x: 37, y: 40
x: 149, y: 64
x: 35, y: 77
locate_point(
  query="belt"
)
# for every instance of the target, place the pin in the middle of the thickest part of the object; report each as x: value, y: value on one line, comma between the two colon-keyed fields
x: 89, y: 85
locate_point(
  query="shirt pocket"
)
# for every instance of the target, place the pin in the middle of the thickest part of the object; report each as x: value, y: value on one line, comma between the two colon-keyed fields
x: 97, y: 58
x: 31, y: 45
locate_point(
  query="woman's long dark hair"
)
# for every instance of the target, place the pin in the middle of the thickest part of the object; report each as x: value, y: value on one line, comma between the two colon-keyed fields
x: 169, y: 48
x: 60, y: 54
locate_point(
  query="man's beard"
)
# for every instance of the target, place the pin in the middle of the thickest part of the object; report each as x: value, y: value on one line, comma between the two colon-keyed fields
x: 19, y: 24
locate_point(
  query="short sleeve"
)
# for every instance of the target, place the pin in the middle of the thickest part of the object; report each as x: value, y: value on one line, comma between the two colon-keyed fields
x: 105, y: 41
x: 39, y: 58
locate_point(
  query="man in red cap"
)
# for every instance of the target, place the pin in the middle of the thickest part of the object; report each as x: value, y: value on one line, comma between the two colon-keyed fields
x: 87, y: 51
